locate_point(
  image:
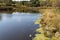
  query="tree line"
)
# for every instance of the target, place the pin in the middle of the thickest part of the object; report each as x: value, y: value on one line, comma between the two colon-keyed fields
x: 35, y: 3
x: 39, y: 3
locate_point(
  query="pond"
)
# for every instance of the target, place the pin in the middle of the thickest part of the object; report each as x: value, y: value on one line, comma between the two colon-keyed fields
x: 17, y: 26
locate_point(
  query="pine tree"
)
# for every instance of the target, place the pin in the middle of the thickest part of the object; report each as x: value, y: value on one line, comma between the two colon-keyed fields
x: 35, y: 3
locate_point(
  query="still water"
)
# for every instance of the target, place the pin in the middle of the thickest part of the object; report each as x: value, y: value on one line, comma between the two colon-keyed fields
x: 17, y: 26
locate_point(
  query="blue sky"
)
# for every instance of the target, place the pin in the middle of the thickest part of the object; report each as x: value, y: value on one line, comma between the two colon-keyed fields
x: 21, y: 0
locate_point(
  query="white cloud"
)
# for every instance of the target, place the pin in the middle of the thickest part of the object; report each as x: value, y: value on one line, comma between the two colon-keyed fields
x: 21, y: 0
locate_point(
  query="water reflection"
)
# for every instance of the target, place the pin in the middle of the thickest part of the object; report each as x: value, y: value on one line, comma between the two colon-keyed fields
x: 17, y: 26
x: 0, y: 17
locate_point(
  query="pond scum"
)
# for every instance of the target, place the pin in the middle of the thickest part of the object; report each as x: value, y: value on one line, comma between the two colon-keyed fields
x: 49, y: 25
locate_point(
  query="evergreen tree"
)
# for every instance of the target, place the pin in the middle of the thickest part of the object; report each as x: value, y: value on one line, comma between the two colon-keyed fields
x: 35, y: 3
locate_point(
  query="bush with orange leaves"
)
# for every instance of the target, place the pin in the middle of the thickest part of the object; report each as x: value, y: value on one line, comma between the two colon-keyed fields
x: 49, y: 26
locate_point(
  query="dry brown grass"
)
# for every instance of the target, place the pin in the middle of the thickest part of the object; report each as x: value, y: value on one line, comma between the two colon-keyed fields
x: 50, y: 24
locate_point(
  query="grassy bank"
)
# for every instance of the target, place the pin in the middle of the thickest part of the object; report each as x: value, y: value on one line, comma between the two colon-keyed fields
x: 33, y: 9
x: 27, y: 9
x: 49, y: 25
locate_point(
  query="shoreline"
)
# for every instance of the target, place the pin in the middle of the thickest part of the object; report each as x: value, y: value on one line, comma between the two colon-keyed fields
x: 43, y: 22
